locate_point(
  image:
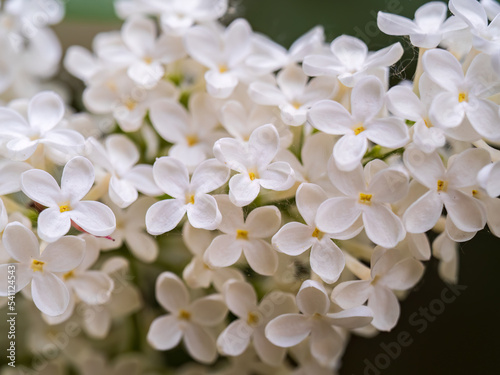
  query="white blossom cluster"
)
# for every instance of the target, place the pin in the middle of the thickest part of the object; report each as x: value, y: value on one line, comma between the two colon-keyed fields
x: 302, y: 185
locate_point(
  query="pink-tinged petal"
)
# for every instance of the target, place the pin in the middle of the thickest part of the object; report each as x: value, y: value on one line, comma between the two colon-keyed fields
x: 121, y: 192
x: 23, y: 276
x: 21, y: 148
x: 52, y: 224
x: 367, y: 98
x: 200, y: 344
x: 94, y: 217
x: 171, y: 293
x: 224, y: 251
x: 424, y: 213
x: 326, y: 344
x: 294, y: 238
x: 327, y: 260
x: 425, y: 168
x: 232, y: 216
x: 208, y: 311
x: 171, y: 176
x: 141, y: 177
x: 385, y: 307
x: 164, y: 216
x: 20, y: 242
x: 392, y: 24
x: 444, y: 69
x: 263, y: 144
x: 382, y: 226
x: 337, y: 214
x: 263, y: 222
x: 77, y: 178
x: 49, y: 293
x: 170, y: 120
x: 208, y: 176
x: 242, y: 190
x: 92, y: 287
x: 403, y: 275
x: 330, y: 117
x: 349, y: 150
x: 464, y: 167
x: 142, y: 246
x: 484, y: 117
x: 261, y: 257
x: 240, y: 297
x: 63, y: 255
x: 350, y: 294
x: 312, y: 298
x: 204, y: 213
x: 41, y: 187
x: 389, y: 185
x: 164, y: 333
x: 235, y: 338
x: 388, y: 132
x: 45, y: 111
x: 139, y: 35
x: 288, y: 330
x: 466, y: 212
x: 446, y: 111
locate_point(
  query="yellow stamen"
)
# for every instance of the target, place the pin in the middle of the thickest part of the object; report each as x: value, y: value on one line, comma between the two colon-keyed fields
x: 222, y: 68
x: 130, y: 104
x: 190, y: 198
x: 463, y: 97
x: 148, y: 59
x: 241, y: 234
x: 37, y: 265
x: 184, y: 315
x: 64, y: 208
x: 253, y: 318
x: 428, y: 123
x: 68, y: 275
x: 253, y: 175
x: 442, y: 185
x: 475, y: 193
x: 296, y: 105
x: 318, y: 234
x: 365, y: 199
x: 358, y: 129
x: 191, y: 140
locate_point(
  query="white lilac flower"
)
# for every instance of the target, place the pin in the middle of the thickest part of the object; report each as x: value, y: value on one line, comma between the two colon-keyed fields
x: 366, y: 196
x: 428, y: 28
x: 446, y: 250
x: 315, y: 321
x: 253, y: 161
x: 192, y: 133
x: 223, y: 53
x: 119, y: 157
x: 186, y: 320
x: 49, y: 292
x: 241, y: 300
x: 64, y: 204
x: 245, y: 236
x: 326, y: 259
x: 360, y: 125
x: 489, y: 179
x: 390, y: 271
x: 463, y: 100
x: 293, y: 93
x: 189, y: 195
x: 22, y: 136
x: 444, y: 189
x: 349, y: 60
x: 491, y: 7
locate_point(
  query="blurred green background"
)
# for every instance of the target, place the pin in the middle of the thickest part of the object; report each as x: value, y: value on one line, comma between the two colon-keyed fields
x: 464, y: 337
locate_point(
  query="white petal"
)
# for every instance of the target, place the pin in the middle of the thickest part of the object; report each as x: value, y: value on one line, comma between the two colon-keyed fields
x: 65, y: 140
x: 209, y: 310
x: 52, y: 224
x: 489, y: 179
x: 288, y: 330
x: 139, y: 34
x: 230, y: 152
x: 269, y: 353
x: 320, y: 65
x: 21, y: 148
x: 392, y: 24
x: 240, y: 297
x: 446, y: 111
x: 326, y: 344
x: 232, y: 216
x: 235, y: 338
x: 465, y: 211
x: 385, y: 307
x: 424, y: 213
x: 443, y: 68
x: 121, y: 192
x: 425, y: 168
x: 171, y: 293
x: 204, y: 213
x: 264, y: 93
x: 49, y: 293
x: 312, y: 298
x: 382, y: 226
x: 349, y: 50
x: 122, y: 152
x: 263, y: 222
x: 11, y: 172
x: 367, y: 98
x: 403, y: 102
x: 170, y: 120
x: 164, y: 216
x: 242, y: 190
x: 209, y: 175
x: 23, y: 277
x: 419, y: 246
x: 77, y: 178
x: 403, y: 275
x: 220, y: 85
x: 164, y: 333
x: 464, y: 167
x: 94, y: 217
x: 146, y: 75
x: 171, y: 176
x: 20, y: 242
x: 142, y: 246
x: 93, y: 287
x: 353, y: 317
x: 349, y: 183
x: 41, y: 187
x: 350, y: 294
x: 97, y: 324
x: 389, y: 185
x: 63, y: 255
x: 278, y: 176
x: 141, y: 177
x: 199, y: 343
x: 294, y: 238
x: 330, y: 117
x: 261, y: 257
x: 263, y: 144
x: 203, y: 44
x: 45, y: 111
x: 237, y: 39
x: 349, y: 150
x: 327, y: 260
x: 337, y: 214
x: 471, y: 12
x: 484, y: 117
x: 292, y: 81
x: 388, y: 132
x: 224, y: 251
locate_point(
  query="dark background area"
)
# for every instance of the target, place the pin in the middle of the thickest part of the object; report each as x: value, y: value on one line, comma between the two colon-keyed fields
x: 464, y: 338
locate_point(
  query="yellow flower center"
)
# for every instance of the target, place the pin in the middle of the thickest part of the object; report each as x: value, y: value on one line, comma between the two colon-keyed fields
x: 365, y: 199
x: 37, y: 265
x: 428, y: 123
x: 68, y: 275
x: 296, y: 105
x: 253, y: 318
x: 148, y: 59
x: 189, y: 198
x: 463, y: 97
x: 318, y: 234
x: 191, y: 140
x: 222, y: 68
x: 241, y: 234
x: 358, y: 129
x: 64, y: 208
x: 442, y: 185
x: 475, y: 193
x: 253, y: 175
x: 130, y: 104
x: 184, y: 315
